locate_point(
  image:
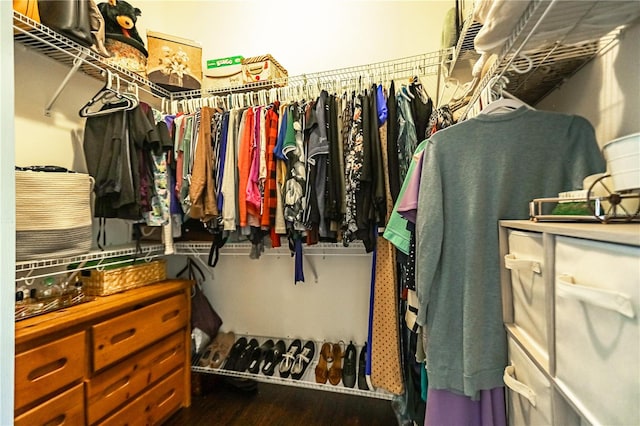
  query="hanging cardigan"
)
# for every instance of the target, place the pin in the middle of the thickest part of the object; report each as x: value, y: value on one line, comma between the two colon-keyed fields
x: 474, y: 174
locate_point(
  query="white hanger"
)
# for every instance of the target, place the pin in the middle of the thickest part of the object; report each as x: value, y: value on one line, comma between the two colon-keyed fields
x: 506, y: 101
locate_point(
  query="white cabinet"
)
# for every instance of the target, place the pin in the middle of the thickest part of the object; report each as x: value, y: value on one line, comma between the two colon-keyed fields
x: 571, y: 299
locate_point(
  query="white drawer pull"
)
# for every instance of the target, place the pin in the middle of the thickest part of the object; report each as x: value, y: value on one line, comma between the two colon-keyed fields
x: 607, y: 299
x: 510, y: 262
x: 517, y: 386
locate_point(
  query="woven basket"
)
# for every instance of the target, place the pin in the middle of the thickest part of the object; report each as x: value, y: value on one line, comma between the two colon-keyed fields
x: 110, y: 281
x: 53, y: 214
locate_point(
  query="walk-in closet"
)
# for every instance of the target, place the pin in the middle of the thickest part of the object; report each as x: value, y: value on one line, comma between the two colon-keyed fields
x: 422, y: 211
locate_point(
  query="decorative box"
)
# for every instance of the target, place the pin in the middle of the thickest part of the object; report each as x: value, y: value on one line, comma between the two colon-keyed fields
x: 174, y: 63
x: 112, y: 279
x: 263, y: 68
x: 223, y: 72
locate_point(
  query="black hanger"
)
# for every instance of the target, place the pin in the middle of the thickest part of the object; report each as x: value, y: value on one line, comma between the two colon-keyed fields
x: 108, y: 100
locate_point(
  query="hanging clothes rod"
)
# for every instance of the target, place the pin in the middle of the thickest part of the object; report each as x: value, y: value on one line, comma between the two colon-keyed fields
x: 418, y: 65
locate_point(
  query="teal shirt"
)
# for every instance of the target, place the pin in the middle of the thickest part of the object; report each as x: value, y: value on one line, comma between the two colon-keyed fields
x: 396, y: 230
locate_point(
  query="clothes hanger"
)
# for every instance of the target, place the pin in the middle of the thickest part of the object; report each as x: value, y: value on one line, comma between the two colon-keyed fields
x: 107, y: 100
x: 404, y: 92
x: 506, y: 101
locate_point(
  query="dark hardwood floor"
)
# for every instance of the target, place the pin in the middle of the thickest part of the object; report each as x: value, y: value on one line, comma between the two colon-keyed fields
x: 219, y: 403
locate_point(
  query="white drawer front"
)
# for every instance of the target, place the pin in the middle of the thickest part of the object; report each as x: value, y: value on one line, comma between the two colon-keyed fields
x: 528, y: 390
x: 597, y: 302
x: 525, y: 261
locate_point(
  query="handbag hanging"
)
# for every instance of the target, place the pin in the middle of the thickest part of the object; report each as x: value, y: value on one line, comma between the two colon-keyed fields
x: 205, y: 321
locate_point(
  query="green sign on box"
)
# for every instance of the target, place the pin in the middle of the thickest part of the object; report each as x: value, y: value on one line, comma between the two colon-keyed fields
x: 224, y: 62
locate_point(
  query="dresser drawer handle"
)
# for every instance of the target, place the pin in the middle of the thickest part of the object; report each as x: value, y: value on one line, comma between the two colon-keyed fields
x: 168, y: 354
x: 518, y: 387
x: 58, y: 420
x: 115, y: 386
x: 170, y: 315
x: 117, y: 338
x: 510, y: 262
x: 608, y: 299
x: 166, y: 397
x: 47, y: 369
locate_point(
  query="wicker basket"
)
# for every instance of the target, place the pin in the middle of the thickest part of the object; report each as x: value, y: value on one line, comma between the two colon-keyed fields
x: 110, y: 281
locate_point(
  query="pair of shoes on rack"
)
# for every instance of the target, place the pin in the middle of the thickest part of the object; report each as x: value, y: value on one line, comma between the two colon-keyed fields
x: 336, y: 364
x: 325, y: 358
x: 273, y: 357
x: 329, y: 367
x: 258, y: 355
x: 297, y: 358
x: 218, y: 350
x: 349, y: 375
x: 349, y: 368
x: 240, y: 354
x: 244, y: 359
x: 335, y: 371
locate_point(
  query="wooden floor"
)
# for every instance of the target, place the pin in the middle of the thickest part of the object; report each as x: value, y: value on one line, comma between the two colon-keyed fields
x: 279, y: 405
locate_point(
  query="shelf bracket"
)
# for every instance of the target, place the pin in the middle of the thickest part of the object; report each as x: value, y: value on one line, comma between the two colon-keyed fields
x: 76, y: 65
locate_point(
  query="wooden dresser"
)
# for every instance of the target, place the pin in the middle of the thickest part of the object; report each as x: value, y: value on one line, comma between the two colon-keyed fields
x: 120, y: 359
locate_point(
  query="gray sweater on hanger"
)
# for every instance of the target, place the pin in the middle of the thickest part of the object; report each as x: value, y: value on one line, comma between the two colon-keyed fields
x: 474, y: 174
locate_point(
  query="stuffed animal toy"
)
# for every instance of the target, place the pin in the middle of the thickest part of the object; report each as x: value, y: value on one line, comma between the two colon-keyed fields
x: 120, y: 22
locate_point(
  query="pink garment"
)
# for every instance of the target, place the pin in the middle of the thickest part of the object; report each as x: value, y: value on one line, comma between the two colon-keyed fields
x: 408, y: 203
x: 254, y: 201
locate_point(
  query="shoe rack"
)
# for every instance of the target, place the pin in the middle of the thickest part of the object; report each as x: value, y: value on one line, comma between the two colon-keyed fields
x: 257, y: 298
x: 306, y: 381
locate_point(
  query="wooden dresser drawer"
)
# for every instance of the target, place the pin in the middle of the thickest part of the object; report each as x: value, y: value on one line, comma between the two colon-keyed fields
x: 66, y: 408
x: 117, y: 385
x: 153, y: 406
x: 47, y: 368
x: 114, y: 339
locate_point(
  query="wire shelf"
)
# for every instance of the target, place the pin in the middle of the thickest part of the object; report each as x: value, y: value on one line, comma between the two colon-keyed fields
x: 558, y: 38
x: 321, y: 249
x: 47, y: 42
x: 421, y: 65
x: 146, y: 251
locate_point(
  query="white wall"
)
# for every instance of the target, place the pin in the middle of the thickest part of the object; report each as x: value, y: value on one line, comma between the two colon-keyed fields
x: 606, y: 91
x: 304, y: 36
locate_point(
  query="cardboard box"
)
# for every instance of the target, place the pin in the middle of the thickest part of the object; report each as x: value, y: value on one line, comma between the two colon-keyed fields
x: 263, y: 68
x: 223, y: 72
x: 174, y: 63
